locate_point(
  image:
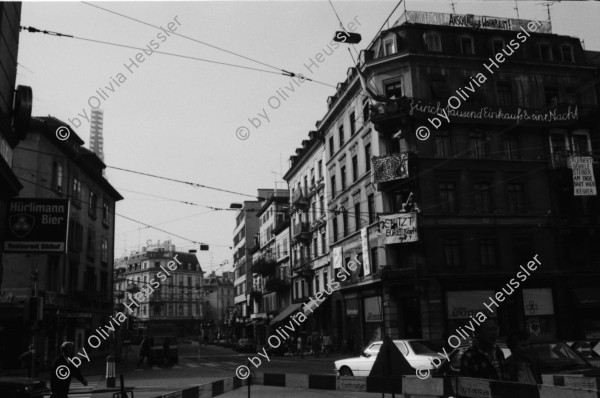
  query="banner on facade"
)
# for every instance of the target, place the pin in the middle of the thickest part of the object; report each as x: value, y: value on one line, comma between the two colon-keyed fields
x: 372, y: 309
x: 390, y: 168
x: 467, y: 303
x: 36, y: 225
x: 398, y: 228
x: 364, y: 237
x: 538, y: 302
x: 337, y: 259
x: 584, y: 183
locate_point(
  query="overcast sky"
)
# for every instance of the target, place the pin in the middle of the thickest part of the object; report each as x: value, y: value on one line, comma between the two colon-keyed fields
x: 177, y: 117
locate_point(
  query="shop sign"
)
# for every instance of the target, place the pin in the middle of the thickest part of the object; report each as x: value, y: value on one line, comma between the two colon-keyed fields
x: 398, y: 228
x: 36, y: 225
x: 373, y: 309
x: 584, y: 183
x: 6, y: 298
x: 337, y: 257
x: 346, y: 383
x: 474, y: 388
x: 364, y: 237
x: 466, y: 304
x: 538, y: 302
x: 351, y: 308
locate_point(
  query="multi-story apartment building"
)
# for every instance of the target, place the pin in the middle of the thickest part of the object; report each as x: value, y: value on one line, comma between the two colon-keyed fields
x: 269, y: 279
x: 173, y: 296
x: 73, y: 274
x: 445, y: 222
x: 218, y: 309
x: 246, y: 226
x: 309, y: 246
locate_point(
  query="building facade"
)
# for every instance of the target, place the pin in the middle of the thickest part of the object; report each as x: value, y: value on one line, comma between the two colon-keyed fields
x: 218, y: 306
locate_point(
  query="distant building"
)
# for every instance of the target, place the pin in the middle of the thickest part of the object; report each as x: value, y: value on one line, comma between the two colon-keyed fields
x: 168, y: 296
x: 218, y: 306
x: 96, y: 129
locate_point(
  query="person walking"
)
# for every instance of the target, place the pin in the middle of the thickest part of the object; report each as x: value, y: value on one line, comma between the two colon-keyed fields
x: 316, y: 346
x: 484, y: 359
x: 144, y: 352
x: 27, y: 360
x: 300, y: 347
x: 327, y: 344
x: 520, y: 366
x: 61, y: 367
x: 166, y: 359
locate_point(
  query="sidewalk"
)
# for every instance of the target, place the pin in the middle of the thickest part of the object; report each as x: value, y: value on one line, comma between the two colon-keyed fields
x: 278, y: 392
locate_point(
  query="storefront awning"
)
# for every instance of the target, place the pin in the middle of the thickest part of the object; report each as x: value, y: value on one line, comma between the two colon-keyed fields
x: 286, y: 312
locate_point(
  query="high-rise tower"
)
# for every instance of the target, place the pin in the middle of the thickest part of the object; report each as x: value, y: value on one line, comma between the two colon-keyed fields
x: 96, y: 127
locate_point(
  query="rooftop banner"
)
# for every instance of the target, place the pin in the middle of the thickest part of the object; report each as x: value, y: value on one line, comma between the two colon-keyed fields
x: 35, y: 225
x: 473, y: 21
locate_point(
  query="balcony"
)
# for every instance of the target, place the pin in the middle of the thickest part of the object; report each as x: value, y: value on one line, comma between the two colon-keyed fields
x: 300, y: 231
x: 300, y: 199
x: 276, y: 285
x: 301, y: 266
x: 390, y: 168
x: 264, y: 266
x: 387, y: 114
x: 255, y: 294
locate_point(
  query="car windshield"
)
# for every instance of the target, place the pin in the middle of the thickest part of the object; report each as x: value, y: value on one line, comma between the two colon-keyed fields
x: 421, y: 347
x: 555, y: 356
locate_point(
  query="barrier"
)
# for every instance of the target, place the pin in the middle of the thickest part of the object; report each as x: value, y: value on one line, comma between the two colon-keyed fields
x: 412, y: 386
x: 207, y: 390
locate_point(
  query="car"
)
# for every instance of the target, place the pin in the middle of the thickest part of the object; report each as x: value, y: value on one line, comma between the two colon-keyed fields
x: 554, y: 357
x: 245, y: 345
x: 418, y: 353
x: 22, y: 387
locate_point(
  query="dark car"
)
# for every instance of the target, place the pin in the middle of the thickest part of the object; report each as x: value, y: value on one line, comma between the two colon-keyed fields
x: 554, y: 357
x: 245, y: 345
x: 22, y: 387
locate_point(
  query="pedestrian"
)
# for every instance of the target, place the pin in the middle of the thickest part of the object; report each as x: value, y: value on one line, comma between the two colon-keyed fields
x: 327, y: 343
x: 484, y: 359
x: 27, y: 360
x: 62, y: 372
x: 316, y: 346
x: 166, y: 359
x: 520, y: 366
x: 144, y: 352
x: 300, y: 347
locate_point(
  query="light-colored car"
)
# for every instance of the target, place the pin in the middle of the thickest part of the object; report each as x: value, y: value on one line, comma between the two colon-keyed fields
x: 418, y: 353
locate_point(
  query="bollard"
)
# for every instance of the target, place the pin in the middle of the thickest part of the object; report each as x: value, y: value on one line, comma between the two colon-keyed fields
x: 110, y: 371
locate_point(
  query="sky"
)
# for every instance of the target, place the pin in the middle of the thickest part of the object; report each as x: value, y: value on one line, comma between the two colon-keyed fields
x: 182, y: 118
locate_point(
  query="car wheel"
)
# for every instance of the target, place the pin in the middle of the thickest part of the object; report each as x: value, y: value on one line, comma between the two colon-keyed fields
x: 345, y: 371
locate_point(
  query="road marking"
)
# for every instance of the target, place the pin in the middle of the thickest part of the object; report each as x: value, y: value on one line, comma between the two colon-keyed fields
x: 192, y: 365
x: 231, y: 363
x: 210, y: 364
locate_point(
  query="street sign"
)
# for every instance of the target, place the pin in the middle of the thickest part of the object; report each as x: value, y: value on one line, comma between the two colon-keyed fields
x: 583, y: 348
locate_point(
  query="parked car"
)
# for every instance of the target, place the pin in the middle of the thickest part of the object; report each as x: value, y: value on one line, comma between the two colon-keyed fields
x: 245, y: 345
x: 554, y: 357
x: 22, y: 387
x: 418, y: 353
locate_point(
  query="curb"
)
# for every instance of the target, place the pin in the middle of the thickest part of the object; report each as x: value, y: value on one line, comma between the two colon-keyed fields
x: 207, y: 390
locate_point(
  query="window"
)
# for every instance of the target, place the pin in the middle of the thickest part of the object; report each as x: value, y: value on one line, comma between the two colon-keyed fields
x: 91, y: 243
x: 511, y: 147
x: 487, y: 253
x: 333, y: 188
x: 439, y: 89
x: 323, y: 241
x: 345, y: 221
x: 75, y: 235
x: 504, y: 93
x: 478, y: 145
x: 352, y: 123
x: 365, y: 111
x: 483, y: 198
x: 343, y: 177
x: 321, y: 205
x: 357, y: 220
x: 317, y: 283
x: 550, y: 95
x: 341, y: 135
x: 566, y: 53
x: 104, y: 252
x: 76, y: 192
x: 354, y: 168
x: 393, y: 89
x: 497, y: 45
x: 516, y: 198
x: 572, y: 97
x: 57, y: 176
x: 320, y: 171
x: 388, y: 46
x: 447, y: 197
x: 581, y: 144
x: 331, y: 148
x: 335, y: 228
x: 443, y: 144
x: 368, y: 157
x: 545, y: 52
x: 312, y: 177
x: 452, y: 254
x: 433, y: 42
x: 105, y: 211
x: 93, y: 203
x: 315, y: 247
x: 371, y: 208
x: 466, y: 45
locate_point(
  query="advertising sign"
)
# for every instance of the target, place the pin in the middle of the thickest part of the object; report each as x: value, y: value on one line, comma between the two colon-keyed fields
x: 364, y: 237
x: 538, y: 302
x: 36, y: 225
x: 466, y: 304
x: 398, y: 228
x: 584, y: 183
x: 372, y: 309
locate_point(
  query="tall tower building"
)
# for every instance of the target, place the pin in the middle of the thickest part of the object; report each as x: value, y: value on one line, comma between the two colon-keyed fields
x: 96, y: 140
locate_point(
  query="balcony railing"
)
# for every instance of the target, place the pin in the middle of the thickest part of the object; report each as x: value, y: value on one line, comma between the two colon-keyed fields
x: 390, y: 168
x: 300, y: 231
x: 382, y: 112
x: 300, y: 199
x: 264, y: 266
x: 276, y: 285
x: 301, y: 266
